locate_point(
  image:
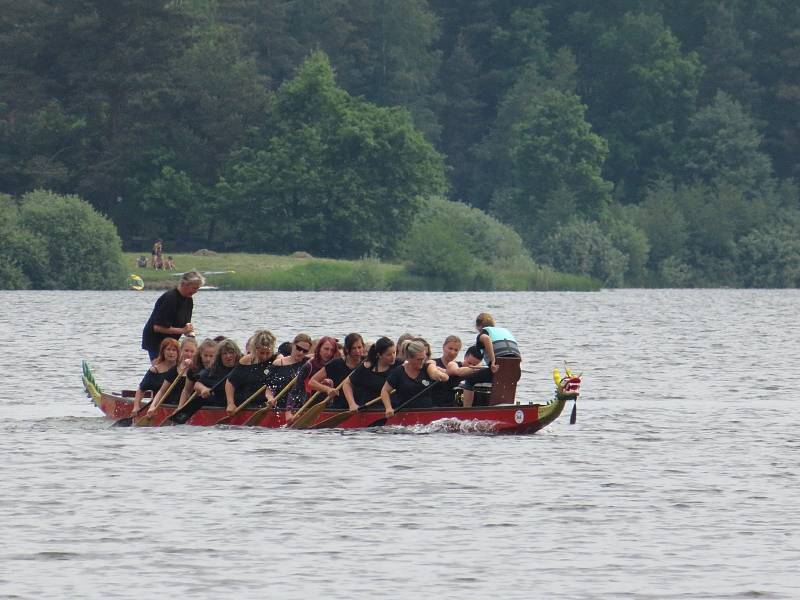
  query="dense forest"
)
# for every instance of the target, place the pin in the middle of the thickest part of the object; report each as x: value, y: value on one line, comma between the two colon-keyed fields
x: 640, y: 142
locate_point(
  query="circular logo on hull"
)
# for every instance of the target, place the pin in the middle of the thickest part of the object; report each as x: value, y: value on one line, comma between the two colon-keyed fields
x: 519, y: 417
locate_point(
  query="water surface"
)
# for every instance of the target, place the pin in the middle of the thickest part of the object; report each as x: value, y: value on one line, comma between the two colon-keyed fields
x: 679, y: 479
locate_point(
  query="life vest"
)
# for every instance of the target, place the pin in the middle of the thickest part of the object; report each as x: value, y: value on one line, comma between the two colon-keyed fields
x: 503, y: 341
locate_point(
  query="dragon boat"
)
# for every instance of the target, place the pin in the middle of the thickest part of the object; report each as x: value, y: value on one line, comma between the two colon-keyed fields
x: 497, y: 412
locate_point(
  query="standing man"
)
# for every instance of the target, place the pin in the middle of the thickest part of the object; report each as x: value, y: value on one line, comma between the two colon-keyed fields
x: 172, y: 314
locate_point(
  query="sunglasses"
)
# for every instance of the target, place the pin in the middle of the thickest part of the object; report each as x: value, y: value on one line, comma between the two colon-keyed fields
x: 301, y: 349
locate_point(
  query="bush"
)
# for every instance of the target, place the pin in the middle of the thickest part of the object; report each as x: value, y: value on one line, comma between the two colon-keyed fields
x: 455, y: 246
x: 59, y: 242
x: 583, y: 249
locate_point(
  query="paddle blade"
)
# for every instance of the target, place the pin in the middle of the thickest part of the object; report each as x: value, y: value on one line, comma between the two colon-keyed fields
x: 334, y: 421
x: 309, y: 417
x: 126, y: 422
x: 378, y: 423
x: 145, y: 421
x: 256, y: 417
x: 224, y: 420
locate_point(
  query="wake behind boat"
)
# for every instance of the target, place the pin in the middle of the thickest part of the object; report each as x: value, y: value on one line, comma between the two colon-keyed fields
x: 499, y: 414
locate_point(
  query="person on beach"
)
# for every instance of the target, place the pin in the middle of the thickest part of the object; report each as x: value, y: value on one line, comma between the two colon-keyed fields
x: 172, y: 313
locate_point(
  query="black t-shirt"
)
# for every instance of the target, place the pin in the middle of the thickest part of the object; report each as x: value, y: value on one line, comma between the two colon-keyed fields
x: 152, y: 381
x: 336, y: 370
x: 406, y: 388
x: 171, y: 310
x: 368, y: 383
x: 175, y: 395
x: 444, y: 394
x: 210, y: 378
x: 247, y: 379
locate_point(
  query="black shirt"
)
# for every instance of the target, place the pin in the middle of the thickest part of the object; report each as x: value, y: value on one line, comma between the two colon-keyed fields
x: 336, y: 370
x: 152, y: 381
x: 367, y: 383
x: 406, y: 388
x: 210, y: 378
x: 247, y: 379
x: 171, y: 310
x: 444, y: 394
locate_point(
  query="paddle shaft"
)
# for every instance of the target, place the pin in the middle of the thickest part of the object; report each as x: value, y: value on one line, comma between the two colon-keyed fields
x: 302, y: 420
x: 256, y: 416
x: 193, y: 397
x: 342, y: 417
x: 243, y: 405
x: 381, y: 422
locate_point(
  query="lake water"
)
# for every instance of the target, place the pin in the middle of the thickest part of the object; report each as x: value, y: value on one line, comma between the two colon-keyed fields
x: 679, y: 480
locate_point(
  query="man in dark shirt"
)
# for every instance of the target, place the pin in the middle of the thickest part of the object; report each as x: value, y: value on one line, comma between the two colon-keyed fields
x: 172, y: 314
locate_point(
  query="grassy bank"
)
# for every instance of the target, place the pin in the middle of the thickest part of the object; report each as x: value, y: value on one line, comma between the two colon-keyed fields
x: 274, y: 272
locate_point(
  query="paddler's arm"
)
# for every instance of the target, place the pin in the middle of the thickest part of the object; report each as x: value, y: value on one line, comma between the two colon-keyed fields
x: 229, y: 396
x: 489, y: 351
x: 435, y: 372
x: 347, y: 390
x: 316, y: 384
x: 387, y: 402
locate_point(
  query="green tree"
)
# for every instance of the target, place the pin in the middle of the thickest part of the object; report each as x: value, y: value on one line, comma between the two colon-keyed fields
x: 641, y: 89
x: 333, y: 174
x: 552, y: 152
x: 723, y: 147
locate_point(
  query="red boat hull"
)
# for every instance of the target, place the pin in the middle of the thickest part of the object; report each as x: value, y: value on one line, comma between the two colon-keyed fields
x: 501, y: 418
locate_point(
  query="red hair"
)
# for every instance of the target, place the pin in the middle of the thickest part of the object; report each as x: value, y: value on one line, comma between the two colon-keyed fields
x: 166, y: 343
x: 316, y: 363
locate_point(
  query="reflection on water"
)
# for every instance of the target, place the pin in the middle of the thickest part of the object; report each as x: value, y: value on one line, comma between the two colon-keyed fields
x: 678, y: 481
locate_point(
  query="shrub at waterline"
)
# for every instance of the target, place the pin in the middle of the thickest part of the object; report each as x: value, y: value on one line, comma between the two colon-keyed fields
x: 51, y: 241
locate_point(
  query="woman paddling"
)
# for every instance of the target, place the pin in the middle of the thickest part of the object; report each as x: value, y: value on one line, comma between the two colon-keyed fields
x: 185, y: 361
x: 333, y: 373
x: 411, y: 378
x: 252, y: 371
x: 225, y: 359
x: 284, y: 370
x: 366, y: 381
x: 167, y: 356
x: 444, y: 394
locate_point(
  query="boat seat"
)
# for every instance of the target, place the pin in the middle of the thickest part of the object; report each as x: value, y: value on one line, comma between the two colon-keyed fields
x: 504, y: 382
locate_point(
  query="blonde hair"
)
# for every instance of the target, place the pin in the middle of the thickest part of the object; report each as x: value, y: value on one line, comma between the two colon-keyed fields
x: 303, y: 337
x: 484, y: 320
x: 262, y: 338
x: 415, y: 347
x: 452, y: 339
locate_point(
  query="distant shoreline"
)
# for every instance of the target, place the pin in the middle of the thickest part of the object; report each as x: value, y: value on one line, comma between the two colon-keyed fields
x: 302, y: 272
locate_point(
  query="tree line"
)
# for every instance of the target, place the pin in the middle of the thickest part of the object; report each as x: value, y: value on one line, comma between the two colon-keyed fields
x: 639, y: 142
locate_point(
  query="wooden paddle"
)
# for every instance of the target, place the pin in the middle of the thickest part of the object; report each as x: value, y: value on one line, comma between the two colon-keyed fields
x: 256, y: 417
x: 191, y: 406
x: 147, y: 420
x: 336, y: 420
x: 128, y: 421
x: 303, y: 419
x: 382, y: 421
x: 242, y: 406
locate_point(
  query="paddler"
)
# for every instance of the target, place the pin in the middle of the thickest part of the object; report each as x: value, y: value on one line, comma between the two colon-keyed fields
x: 495, y: 342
